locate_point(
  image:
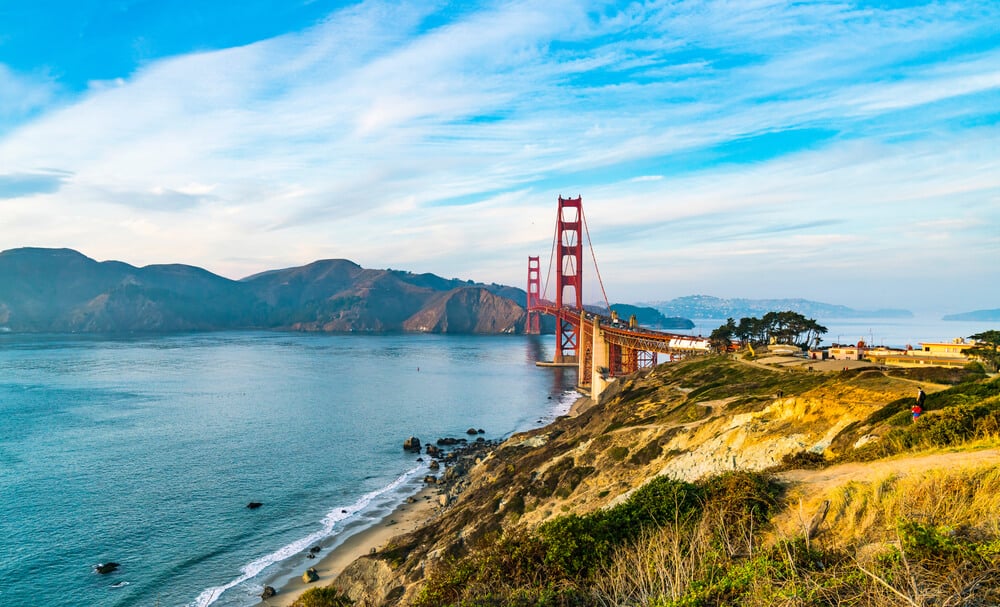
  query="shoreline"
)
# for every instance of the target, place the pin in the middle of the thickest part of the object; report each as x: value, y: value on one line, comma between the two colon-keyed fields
x: 414, y: 512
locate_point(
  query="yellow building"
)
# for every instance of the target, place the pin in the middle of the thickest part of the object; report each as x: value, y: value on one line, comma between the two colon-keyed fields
x: 935, y: 354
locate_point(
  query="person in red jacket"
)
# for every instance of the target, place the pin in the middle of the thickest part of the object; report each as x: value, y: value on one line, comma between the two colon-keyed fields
x: 918, y: 407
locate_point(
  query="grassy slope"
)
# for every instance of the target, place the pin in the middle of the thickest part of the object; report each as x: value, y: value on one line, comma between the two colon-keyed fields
x: 556, y: 516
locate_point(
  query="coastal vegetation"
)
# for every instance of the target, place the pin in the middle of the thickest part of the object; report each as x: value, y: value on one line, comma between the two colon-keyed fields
x: 716, y: 482
x: 774, y: 327
x: 987, y: 348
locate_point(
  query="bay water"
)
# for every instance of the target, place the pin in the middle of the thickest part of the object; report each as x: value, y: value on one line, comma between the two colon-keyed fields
x: 146, y: 450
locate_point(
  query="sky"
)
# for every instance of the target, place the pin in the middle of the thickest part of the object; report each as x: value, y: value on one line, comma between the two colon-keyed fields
x: 846, y: 152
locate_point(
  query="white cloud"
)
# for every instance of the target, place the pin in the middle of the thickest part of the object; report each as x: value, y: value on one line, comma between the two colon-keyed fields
x: 371, y: 138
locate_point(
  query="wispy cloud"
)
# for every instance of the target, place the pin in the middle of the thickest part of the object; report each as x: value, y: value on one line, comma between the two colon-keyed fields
x: 404, y: 135
x: 21, y: 95
x: 26, y: 185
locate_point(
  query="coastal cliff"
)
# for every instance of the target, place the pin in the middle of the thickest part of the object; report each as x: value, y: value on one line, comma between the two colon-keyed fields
x: 552, y: 516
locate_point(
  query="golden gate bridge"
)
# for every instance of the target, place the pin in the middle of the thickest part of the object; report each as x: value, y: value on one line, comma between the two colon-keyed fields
x: 600, y: 346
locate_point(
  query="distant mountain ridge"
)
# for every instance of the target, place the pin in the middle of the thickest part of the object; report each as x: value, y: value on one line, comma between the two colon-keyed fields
x: 62, y: 290
x: 651, y: 317
x: 706, y: 306
x: 976, y: 316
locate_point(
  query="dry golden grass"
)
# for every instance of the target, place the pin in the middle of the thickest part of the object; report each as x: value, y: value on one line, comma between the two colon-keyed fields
x: 864, y: 512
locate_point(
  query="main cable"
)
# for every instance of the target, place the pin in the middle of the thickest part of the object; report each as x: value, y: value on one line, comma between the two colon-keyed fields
x: 593, y: 256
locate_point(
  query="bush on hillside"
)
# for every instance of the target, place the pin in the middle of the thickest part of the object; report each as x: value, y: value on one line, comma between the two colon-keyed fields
x: 957, y: 415
x: 325, y: 596
x: 558, y: 563
x: 940, y: 375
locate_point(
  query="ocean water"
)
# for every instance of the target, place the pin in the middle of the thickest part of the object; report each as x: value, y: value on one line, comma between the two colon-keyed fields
x: 146, y: 450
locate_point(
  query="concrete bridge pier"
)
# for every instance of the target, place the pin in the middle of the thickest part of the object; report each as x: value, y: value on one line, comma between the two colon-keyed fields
x: 599, y: 361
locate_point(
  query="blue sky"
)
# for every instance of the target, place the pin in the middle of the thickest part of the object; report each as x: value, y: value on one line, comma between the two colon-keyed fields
x: 847, y: 152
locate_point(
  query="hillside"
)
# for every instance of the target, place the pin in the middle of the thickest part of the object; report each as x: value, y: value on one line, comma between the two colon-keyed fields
x: 749, y: 485
x: 706, y: 306
x: 651, y: 317
x: 60, y: 290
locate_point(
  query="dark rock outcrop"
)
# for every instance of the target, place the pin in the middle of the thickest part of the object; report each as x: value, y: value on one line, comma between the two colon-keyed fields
x: 412, y: 444
x: 105, y: 568
x: 254, y: 505
x: 268, y: 592
x: 310, y: 575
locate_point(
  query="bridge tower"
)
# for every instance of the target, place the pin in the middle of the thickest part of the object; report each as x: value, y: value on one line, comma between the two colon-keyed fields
x: 569, y: 276
x: 532, y: 324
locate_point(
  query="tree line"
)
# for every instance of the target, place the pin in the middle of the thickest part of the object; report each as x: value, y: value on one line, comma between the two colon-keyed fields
x: 987, y: 348
x: 775, y: 327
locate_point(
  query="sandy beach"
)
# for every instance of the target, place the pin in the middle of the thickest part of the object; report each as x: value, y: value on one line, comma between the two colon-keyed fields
x: 406, y: 517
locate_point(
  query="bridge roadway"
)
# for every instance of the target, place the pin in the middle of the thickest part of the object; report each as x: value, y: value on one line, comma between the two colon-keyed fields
x: 607, y: 348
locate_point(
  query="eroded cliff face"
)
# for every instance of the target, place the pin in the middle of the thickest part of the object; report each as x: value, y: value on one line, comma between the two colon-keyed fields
x: 468, y: 310
x: 686, y: 420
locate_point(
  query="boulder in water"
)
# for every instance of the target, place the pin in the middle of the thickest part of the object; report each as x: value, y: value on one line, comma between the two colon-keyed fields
x: 269, y: 591
x: 254, y: 505
x: 104, y: 568
x: 412, y: 444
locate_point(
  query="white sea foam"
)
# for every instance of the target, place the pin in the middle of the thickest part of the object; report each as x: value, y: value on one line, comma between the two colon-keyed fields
x: 329, y: 523
x: 565, y: 403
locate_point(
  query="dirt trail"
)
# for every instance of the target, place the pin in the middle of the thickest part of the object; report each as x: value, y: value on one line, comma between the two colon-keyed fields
x: 903, y: 466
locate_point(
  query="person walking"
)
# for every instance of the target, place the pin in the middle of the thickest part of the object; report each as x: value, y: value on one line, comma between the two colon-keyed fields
x: 918, y: 407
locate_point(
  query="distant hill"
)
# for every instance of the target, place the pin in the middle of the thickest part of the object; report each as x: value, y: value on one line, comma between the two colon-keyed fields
x: 651, y: 317
x: 976, y: 316
x: 61, y: 290
x: 706, y: 306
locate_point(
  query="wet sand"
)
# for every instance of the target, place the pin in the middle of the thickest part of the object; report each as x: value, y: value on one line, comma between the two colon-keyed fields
x: 406, y: 517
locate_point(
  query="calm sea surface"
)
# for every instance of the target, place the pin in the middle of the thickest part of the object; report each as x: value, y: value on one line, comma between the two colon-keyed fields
x: 145, y: 451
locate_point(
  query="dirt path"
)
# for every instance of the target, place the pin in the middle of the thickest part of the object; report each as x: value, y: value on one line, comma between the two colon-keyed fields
x: 870, y: 471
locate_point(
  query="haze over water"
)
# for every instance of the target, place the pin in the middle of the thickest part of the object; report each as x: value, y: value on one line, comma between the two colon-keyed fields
x: 145, y: 451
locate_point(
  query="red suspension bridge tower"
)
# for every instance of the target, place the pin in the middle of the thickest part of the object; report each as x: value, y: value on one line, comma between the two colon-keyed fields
x: 569, y: 275
x: 533, y: 323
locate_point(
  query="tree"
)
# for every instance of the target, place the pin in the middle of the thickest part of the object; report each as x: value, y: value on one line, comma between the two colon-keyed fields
x: 783, y: 327
x: 987, y: 348
x: 722, y: 338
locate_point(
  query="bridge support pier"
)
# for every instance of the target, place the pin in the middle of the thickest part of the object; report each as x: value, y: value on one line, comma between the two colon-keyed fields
x: 598, y: 363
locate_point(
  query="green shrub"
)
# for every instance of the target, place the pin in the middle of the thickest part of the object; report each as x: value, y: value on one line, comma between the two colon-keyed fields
x: 324, y: 596
x: 618, y: 453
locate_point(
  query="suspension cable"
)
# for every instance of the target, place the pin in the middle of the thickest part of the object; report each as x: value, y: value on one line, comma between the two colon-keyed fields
x: 552, y: 254
x: 590, y: 244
